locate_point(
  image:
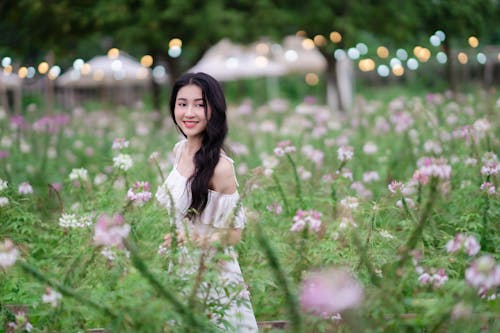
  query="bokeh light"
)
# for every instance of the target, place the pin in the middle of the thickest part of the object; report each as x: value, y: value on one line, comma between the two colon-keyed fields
x: 6, y: 61
x: 31, y: 72
x: 423, y: 54
x: 435, y: 40
x: 353, y: 53
x: 473, y: 41
x: 320, y: 40
x: 362, y: 48
x: 174, y: 51
x: 312, y: 79
x: 481, y: 58
x: 366, y: 65
x: 398, y: 70
x: 339, y: 54
x: 462, y: 58
x: 412, y: 64
x: 43, y: 67
x: 113, y: 53
x: 308, y: 44
x: 401, y: 54
x: 382, y: 52
x: 147, y: 60
x: 54, y: 72
x: 175, y: 42
x: 78, y: 64
x: 7, y: 69
x: 335, y: 37
x: 441, y: 35
x: 441, y: 57
x: 22, y: 72
x: 383, y: 70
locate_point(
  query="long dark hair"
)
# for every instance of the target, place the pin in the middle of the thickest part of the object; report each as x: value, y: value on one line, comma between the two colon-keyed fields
x: 207, y: 157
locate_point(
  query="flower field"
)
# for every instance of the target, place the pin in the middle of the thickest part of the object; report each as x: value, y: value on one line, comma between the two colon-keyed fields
x: 385, y: 219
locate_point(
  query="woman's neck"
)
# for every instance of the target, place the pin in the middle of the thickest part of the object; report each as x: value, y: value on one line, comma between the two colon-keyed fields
x: 192, y: 146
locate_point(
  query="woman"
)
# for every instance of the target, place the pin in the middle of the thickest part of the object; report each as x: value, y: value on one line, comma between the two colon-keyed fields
x: 202, y: 190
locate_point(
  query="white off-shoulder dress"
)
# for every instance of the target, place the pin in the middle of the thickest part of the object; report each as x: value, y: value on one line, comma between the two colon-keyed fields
x: 226, y: 296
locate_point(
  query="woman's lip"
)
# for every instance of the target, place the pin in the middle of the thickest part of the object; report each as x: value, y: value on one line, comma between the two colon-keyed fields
x: 189, y: 124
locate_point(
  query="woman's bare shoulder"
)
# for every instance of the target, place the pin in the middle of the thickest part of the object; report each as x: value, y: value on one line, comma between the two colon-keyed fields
x: 224, y: 180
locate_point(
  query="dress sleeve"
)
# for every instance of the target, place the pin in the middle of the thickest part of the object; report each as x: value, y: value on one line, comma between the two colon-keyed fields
x: 224, y: 211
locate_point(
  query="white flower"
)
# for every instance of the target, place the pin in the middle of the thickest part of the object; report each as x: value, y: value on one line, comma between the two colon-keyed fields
x: 120, y: 143
x: 345, y: 153
x: 3, y: 184
x: 123, y: 162
x: 4, y: 201
x: 8, y: 253
x: 73, y: 221
x: 51, y: 296
x: 79, y: 174
x: 25, y: 188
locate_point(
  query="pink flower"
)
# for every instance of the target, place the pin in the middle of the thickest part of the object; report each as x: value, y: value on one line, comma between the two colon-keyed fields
x: 25, y: 188
x: 140, y: 193
x: 420, y: 177
x: 8, y: 253
x: 396, y: 186
x: 110, y: 231
x: 284, y: 147
x: 309, y: 218
x: 275, y: 208
x: 119, y: 143
x: 469, y: 244
x: 370, y: 176
x: 434, y: 167
x: 329, y: 292
x: 488, y: 187
x: 345, y: 153
x: 483, y: 274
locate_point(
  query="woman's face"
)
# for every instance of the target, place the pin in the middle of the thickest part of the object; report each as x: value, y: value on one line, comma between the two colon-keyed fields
x: 189, y: 111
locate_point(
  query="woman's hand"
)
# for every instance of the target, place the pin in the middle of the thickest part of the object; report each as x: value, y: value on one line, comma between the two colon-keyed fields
x: 181, y: 239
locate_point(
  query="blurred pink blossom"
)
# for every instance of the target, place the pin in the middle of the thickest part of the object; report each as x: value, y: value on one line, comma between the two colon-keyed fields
x: 345, y: 153
x: 120, y: 143
x: 309, y: 218
x: 488, y: 187
x: 483, y: 274
x: 25, y: 188
x: 434, y: 167
x: 139, y: 193
x: 326, y: 293
x: 8, y: 253
x: 396, y: 186
x: 469, y: 244
x: 110, y: 230
x: 275, y: 208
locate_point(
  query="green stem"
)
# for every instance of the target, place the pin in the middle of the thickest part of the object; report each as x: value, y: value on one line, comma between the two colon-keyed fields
x: 297, y: 180
x: 291, y: 302
x: 282, y: 194
x: 417, y: 232
x: 184, y: 311
x: 364, y: 259
x: 66, y: 291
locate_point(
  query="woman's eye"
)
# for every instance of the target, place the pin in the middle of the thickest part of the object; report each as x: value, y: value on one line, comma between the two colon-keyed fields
x: 181, y: 104
x: 200, y: 105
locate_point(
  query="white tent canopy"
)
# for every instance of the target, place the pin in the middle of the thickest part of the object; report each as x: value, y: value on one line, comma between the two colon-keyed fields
x: 227, y: 61
x: 10, y: 81
x: 121, y: 70
x: 300, y: 56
